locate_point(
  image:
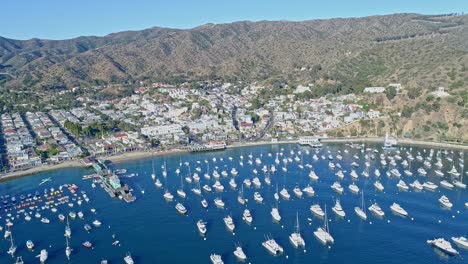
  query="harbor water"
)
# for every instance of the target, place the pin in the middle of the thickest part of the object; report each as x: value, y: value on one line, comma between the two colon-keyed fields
x: 154, y: 232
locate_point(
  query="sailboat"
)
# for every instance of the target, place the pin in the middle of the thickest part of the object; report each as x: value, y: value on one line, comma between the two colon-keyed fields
x: 19, y: 260
x: 164, y: 173
x: 240, y: 198
x: 153, y: 174
x: 68, y: 249
x: 181, y: 191
x: 276, y: 195
x: 296, y: 238
x: 11, y: 251
x: 323, y: 233
x: 68, y: 229
x: 360, y: 211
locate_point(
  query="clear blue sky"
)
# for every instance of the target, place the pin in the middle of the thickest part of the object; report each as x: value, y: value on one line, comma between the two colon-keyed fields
x: 61, y: 19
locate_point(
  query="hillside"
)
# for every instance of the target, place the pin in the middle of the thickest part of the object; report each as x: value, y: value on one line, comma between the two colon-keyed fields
x: 416, y: 50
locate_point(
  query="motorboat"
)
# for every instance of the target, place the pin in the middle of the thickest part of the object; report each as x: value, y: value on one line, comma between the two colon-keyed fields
x: 308, y: 190
x: 461, y: 242
x: 336, y: 186
x: 402, y: 185
x: 247, y: 216
x: 219, y: 202
x: 353, y: 188
x: 430, y: 186
x: 229, y: 223
x: 216, y: 259
x: 317, y: 210
x: 417, y: 186
x: 397, y: 209
x: 258, y: 197
x: 446, y: 184
x: 181, y: 208
x: 338, y: 209
x: 443, y: 245
x: 445, y: 202
x: 275, y: 214
x: 375, y: 208
x: 239, y: 253
x: 285, y: 194
x: 201, y: 225
x: 378, y: 185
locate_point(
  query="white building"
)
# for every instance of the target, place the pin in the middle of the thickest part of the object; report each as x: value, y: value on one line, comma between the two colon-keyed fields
x: 440, y: 92
x: 374, y: 89
x: 373, y: 114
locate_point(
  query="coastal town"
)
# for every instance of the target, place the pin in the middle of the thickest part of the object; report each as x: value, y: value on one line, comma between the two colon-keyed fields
x: 163, y: 117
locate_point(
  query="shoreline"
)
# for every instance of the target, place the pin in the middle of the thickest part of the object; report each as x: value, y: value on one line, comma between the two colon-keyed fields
x: 147, y: 154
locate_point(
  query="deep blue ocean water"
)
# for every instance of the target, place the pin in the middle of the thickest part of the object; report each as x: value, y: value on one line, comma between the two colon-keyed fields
x: 154, y: 232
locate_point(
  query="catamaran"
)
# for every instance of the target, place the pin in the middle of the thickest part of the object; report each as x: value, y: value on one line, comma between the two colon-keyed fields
x: 323, y: 233
x: 360, y: 210
x: 272, y: 247
x: 296, y: 238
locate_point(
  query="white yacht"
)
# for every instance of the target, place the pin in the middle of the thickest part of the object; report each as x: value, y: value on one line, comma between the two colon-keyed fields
x: 446, y: 184
x: 336, y: 186
x: 461, y: 242
x: 445, y: 202
x: 256, y: 182
x: 297, y: 191
x: 417, y: 186
x: 340, y: 174
x: 258, y: 197
x: 459, y: 184
x: 216, y: 259
x: 396, y: 208
x: 402, y: 185
x: 207, y: 188
x: 204, y: 203
x: 247, y: 216
x: 313, y: 176
x: 272, y: 247
x: 454, y: 172
x: 375, y: 208
x: 247, y: 183
x: 353, y: 188
x: 229, y: 223
x: 296, y: 238
x: 219, y: 203
x: 234, y: 172
x: 395, y: 173
x: 360, y: 211
x: 218, y: 186
x: 323, y: 233
x: 275, y: 214
x: 379, y: 186
x: 239, y: 253
x: 338, y: 210
x: 309, y: 190
x: 201, y: 227
x: 408, y: 173
x: 422, y: 172
x: 439, y: 173
x: 43, y: 256
x: 158, y: 183
x: 168, y: 196
x: 443, y: 245
x: 285, y: 194
x: 233, y: 184
x: 181, y: 208
x: 430, y: 186
x: 317, y: 210
x: 354, y: 175
x: 377, y: 173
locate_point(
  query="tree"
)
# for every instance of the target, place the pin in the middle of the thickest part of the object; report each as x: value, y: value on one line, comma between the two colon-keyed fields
x: 390, y: 92
x: 186, y: 129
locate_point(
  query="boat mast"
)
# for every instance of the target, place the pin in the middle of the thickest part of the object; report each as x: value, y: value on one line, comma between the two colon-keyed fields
x: 297, y: 223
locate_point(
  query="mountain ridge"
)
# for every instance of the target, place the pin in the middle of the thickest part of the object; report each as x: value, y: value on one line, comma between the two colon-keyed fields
x: 243, y: 50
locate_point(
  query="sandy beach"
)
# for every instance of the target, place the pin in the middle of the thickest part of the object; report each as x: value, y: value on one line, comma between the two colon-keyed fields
x: 146, y: 154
